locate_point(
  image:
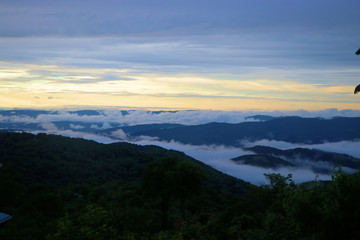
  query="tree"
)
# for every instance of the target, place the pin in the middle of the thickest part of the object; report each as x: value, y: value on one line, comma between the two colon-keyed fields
x: 91, y: 223
x: 357, y: 89
x: 171, y: 179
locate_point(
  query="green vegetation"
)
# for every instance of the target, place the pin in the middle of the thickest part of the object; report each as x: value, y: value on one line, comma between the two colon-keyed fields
x: 265, y: 161
x: 64, y: 188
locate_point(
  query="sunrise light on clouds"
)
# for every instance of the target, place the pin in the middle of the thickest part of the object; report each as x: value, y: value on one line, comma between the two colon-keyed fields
x: 220, y: 55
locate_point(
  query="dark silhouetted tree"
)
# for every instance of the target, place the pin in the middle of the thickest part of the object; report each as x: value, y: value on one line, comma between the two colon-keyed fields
x: 171, y: 179
x: 357, y: 89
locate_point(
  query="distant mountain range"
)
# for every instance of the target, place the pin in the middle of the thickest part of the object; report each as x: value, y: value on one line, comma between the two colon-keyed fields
x: 264, y: 161
x: 288, y: 129
x: 318, y: 161
x: 95, y: 124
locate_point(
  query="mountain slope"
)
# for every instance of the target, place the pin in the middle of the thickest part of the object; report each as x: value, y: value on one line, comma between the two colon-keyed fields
x: 319, y: 161
x: 265, y: 161
x: 60, y: 160
x: 47, y: 181
x: 289, y: 129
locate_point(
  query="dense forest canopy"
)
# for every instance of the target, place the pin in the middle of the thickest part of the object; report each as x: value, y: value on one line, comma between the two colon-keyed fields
x: 64, y: 188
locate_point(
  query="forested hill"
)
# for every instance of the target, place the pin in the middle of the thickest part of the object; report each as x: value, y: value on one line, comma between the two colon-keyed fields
x: 57, y: 160
x: 288, y: 129
x: 320, y: 162
x: 46, y: 178
x: 58, y: 188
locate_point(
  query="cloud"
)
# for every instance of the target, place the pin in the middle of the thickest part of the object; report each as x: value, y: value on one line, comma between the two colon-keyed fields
x: 219, y: 157
x: 231, y: 44
x: 215, y: 156
x: 48, y: 126
x: 141, y: 16
x: 234, y: 66
x: 74, y: 126
x: 74, y: 134
x: 105, y: 125
x: 187, y: 117
x: 119, y: 134
x: 345, y: 147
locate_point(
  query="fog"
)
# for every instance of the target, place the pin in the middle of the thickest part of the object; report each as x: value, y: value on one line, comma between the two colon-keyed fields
x: 219, y: 157
x: 187, y: 117
x: 346, y: 147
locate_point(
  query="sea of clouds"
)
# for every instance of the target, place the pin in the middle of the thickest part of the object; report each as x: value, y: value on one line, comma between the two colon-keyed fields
x: 187, y: 117
x: 218, y: 157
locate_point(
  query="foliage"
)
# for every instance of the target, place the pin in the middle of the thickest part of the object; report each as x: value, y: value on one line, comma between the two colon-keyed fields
x: 63, y: 188
x: 172, y: 179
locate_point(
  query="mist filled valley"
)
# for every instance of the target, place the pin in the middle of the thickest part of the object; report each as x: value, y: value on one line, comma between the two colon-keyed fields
x: 179, y: 120
x: 216, y: 137
x: 139, y: 174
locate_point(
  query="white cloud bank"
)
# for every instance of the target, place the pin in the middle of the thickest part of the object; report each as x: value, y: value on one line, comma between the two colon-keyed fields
x: 215, y: 156
x: 345, y: 147
x: 187, y: 117
x: 219, y: 157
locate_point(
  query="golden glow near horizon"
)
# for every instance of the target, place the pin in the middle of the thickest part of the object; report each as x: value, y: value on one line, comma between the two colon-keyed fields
x: 233, y: 56
x: 50, y: 86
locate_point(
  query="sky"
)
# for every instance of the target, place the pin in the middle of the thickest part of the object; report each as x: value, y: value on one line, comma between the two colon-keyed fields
x: 230, y: 55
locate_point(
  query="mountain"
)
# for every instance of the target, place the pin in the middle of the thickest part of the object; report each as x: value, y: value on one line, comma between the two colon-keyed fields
x: 93, y: 121
x: 260, y: 117
x: 319, y: 161
x: 23, y: 112
x: 66, y: 188
x: 264, y: 161
x: 288, y: 129
x: 56, y: 159
x: 144, y: 127
x: 51, y: 184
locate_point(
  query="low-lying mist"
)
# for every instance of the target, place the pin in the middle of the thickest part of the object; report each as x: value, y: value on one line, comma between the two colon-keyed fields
x: 219, y: 157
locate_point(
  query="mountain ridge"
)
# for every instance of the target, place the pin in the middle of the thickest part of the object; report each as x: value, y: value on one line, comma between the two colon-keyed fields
x: 288, y: 129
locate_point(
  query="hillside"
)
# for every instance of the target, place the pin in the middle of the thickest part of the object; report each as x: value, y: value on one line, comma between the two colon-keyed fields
x: 60, y: 160
x: 319, y: 161
x: 59, y: 188
x: 288, y: 129
x: 264, y: 161
x: 44, y: 177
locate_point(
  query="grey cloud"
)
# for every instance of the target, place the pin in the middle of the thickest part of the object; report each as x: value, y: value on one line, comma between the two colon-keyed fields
x: 219, y: 158
x: 74, y: 126
x: 306, y: 41
x: 345, y: 147
x: 75, y: 134
x: 172, y: 17
x: 119, y: 134
x: 105, y: 125
x: 48, y: 126
x: 215, y: 156
x: 187, y: 117
x: 115, y: 77
x: 232, y: 53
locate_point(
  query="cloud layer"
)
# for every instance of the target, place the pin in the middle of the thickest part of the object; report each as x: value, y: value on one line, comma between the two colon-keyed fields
x: 233, y: 55
x: 102, y: 119
x: 219, y: 157
x: 79, y: 123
